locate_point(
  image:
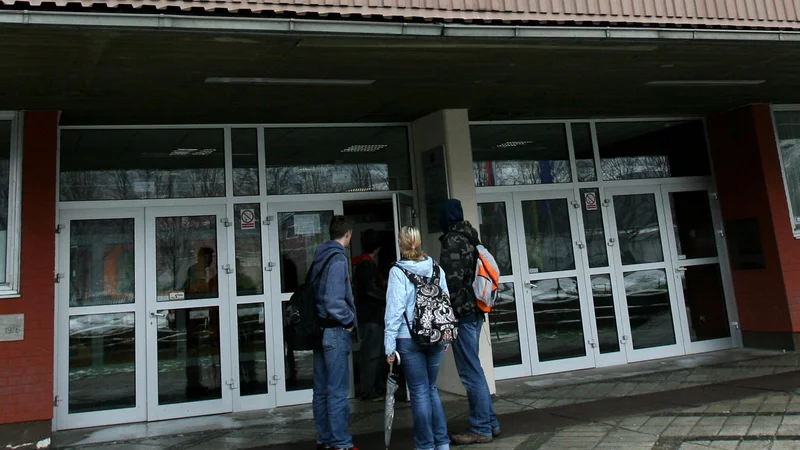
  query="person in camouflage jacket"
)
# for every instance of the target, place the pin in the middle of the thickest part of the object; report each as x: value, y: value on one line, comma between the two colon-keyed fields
x: 458, y: 262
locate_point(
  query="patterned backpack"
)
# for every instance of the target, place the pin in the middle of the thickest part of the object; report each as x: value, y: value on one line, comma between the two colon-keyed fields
x: 434, y: 319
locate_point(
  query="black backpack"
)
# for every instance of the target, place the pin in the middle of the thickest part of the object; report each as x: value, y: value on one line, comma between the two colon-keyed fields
x: 434, y: 319
x: 303, y: 330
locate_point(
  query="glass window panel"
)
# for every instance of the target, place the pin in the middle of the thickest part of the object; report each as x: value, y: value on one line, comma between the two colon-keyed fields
x: 494, y: 234
x: 247, y: 237
x: 558, y: 319
x: 584, y: 151
x: 508, y: 155
x: 638, y: 231
x: 186, y: 263
x: 548, y: 238
x: 504, y: 324
x: 705, y: 302
x: 605, y: 313
x: 102, y: 362
x: 300, y: 234
x: 5, y: 172
x: 337, y: 160
x: 252, y: 349
x: 787, y: 124
x: 189, y: 356
x: 102, y: 262
x: 593, y: 225
x: 649, y: 308
x: 637, y: 150
x: 693, y: 225
x: 141, y: 164
x: 244, y: 146
x: 298, y: 364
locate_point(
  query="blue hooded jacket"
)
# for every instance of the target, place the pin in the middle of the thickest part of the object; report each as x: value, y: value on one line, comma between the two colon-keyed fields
x: 335, y: 305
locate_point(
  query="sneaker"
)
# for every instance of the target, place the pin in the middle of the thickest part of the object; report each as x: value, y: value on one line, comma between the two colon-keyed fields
x: 496, y: 432
x: 470, y: 437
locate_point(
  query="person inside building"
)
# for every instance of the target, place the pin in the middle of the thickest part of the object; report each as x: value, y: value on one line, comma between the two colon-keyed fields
x: 370, y: 295
x: 201, y: 282
x: 201, y: 278
x: 458, y: 241
x: 337, y: 314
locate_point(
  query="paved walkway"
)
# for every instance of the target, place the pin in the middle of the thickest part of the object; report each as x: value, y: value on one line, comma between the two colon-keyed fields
x: 738, y: 399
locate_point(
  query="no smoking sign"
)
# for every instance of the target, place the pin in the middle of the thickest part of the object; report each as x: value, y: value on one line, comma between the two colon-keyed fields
x: 248, y: 217
x: 590, y: 201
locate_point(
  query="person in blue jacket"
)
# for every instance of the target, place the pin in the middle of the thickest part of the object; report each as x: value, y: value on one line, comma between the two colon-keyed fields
x: 337, y: 314
x: 420, y: 364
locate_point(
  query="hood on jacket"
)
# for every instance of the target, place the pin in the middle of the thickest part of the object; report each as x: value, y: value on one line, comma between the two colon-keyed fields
x: 325, y: 250
x: 450, y: 213
x: 423, y: 267
x: 465, y: 228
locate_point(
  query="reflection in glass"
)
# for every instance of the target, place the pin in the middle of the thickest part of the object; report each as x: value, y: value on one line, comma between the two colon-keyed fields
x: 101, y: 261
x: 705, y: 302
x: 593, y: 225
x: 244, y: 143
x: 637, y: 150
x: 649, y: 308
x: 548, y: 237
x: 299, y: 235
x: 5, y: 172
x: 503, y: 323
x: 128, y: 164
x: 189, y: 355
x: 558, y: 319
x: 605, y: 313
x: 298, y: 364
x: 247, y: 239
x: 494, y: 233
x: 252, y: 349
x: 337, y: 160
x: 638, y: 230
x: 787, y: 125
x: 693, y: 226
x: 102, y: 362
x: 186, y: 250
x: 509, y: 155
x: 584, y: 151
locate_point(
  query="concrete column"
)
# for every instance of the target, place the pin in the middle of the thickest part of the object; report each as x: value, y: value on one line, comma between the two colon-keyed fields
x: 450, y: 128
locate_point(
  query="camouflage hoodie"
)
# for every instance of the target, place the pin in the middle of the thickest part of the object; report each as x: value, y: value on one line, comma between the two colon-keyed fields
x: 458, y: 257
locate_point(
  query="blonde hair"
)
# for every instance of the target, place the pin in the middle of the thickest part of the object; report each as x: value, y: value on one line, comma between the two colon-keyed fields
x: 410, y: 241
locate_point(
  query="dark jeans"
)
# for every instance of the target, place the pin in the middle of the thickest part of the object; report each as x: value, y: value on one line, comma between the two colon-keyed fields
x: 482, y: 418
x: 331, y: 387
x: 372, y: 361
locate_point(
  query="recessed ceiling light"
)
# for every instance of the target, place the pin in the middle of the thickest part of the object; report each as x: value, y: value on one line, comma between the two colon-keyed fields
x: 364, y: 148
x: 289, y: 81
x: 704, y: 83
x: 192, y: 151
x: 512, y: 144
x: 360, y: 190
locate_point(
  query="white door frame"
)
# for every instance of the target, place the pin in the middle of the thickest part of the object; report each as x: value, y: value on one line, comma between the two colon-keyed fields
x: 583, y: 362
x: 677, y: 348
x: 720, y: 260
x: 225, y: 404
x: 63, y: 419
x: 524, y: 321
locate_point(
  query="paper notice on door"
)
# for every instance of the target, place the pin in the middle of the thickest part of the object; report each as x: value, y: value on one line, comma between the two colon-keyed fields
x: 177, y: 295
x: 305, y: 224
x: 533, y: 270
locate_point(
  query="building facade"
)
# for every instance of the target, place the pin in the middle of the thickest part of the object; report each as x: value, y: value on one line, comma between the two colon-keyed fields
x: 171, y: 166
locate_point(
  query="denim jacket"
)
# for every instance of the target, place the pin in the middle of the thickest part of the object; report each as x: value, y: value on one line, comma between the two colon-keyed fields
x: 401, y: 296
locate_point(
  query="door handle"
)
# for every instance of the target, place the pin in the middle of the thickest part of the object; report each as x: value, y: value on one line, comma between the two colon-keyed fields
x: 680, y: 269
x: 155, y: 314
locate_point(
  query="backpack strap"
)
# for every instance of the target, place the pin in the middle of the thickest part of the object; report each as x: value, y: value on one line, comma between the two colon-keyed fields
x: 321, y: 271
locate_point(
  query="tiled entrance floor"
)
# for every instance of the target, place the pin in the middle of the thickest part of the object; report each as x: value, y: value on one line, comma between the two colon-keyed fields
x: 735, y: 399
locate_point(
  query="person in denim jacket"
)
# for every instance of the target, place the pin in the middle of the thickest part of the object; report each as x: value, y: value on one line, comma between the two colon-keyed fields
x: 420, y: 364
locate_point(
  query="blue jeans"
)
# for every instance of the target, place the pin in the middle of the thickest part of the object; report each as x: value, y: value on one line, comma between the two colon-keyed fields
x: 331, y: 387
x: 482, y: 418
x: 421, y: 367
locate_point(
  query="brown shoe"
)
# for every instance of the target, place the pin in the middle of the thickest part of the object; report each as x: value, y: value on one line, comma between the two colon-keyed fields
x: 469, y: 437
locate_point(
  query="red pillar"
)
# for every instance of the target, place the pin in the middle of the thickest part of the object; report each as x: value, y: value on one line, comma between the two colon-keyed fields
x: 26, y: 367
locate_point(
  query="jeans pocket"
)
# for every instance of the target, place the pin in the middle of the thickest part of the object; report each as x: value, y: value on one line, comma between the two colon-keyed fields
x: 329, y: 339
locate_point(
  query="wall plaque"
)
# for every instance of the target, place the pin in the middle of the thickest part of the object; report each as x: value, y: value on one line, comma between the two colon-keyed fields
x: 12, y: 327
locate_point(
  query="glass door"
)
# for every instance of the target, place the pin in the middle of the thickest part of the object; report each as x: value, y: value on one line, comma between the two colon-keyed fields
x: 100, y: 376
x: 703, y: 287
x: 643, y: 273
x: 551, y: 271
x: 295, y: 231
x: 188, y: 317
x: 507, y: 323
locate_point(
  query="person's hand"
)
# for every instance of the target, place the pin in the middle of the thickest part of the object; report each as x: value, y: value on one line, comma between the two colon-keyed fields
x: 390, y: 358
